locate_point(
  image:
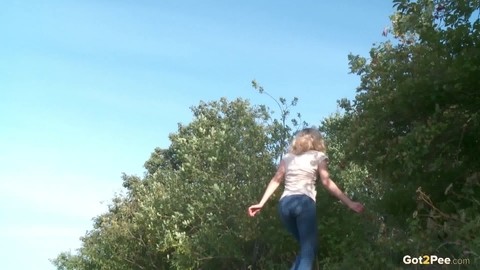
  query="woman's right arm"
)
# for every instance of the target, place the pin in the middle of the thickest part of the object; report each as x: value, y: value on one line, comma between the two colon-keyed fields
x: 334, y: 190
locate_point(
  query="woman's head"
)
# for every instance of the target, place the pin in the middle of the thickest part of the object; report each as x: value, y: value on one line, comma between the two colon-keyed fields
x: 306, y: 140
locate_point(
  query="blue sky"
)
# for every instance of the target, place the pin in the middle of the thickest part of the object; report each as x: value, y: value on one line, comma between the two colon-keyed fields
x: 89, y: 88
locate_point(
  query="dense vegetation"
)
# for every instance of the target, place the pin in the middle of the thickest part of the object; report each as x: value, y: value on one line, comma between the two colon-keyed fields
x: 407, y: 146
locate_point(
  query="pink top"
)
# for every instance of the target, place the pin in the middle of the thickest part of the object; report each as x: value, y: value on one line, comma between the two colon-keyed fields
x: 301, y: 173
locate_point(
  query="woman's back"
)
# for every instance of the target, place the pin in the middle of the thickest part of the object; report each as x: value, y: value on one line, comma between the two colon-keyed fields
x: 301, y: 173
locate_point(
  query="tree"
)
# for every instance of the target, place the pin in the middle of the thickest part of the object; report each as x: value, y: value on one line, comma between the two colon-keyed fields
x: 189, y: 209
x: 415, y: 119
x: 283, y: 129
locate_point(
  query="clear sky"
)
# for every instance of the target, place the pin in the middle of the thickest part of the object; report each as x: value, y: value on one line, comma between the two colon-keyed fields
x: 89, y: 88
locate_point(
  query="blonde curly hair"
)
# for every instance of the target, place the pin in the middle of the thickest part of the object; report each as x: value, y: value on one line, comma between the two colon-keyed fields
x: 306, y: 140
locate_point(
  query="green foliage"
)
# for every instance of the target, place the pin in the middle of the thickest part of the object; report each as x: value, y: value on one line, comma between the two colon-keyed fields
x: 189, y: 211
x: 415, y: 123
x: 416, y: 113
x: 223, y: 141
x: 283, y: 132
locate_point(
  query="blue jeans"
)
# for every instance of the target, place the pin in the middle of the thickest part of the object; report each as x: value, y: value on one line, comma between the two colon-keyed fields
x: 298, y: 215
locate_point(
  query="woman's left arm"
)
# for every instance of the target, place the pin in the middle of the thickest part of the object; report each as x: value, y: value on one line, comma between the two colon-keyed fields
x: 274, y: 183
x: 272, y: 186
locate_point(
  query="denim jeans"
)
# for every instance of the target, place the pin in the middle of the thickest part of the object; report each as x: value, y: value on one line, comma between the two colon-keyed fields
x: 298, y: 215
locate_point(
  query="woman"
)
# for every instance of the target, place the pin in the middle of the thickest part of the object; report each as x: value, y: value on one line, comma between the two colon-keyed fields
x: 306, y: 159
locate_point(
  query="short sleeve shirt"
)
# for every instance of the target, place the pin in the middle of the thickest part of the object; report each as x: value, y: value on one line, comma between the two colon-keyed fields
x: 301, y: 173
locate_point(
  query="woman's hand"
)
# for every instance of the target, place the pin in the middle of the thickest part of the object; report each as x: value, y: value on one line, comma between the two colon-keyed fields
x: 254, y: 209
x: 356, y: 206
